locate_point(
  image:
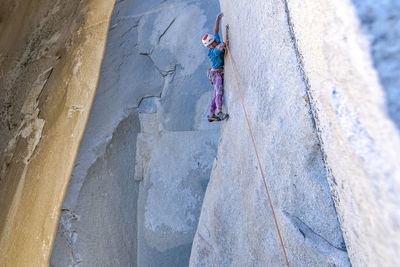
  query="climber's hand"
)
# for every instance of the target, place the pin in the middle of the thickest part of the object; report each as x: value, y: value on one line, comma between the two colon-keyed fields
x: 216, y: 26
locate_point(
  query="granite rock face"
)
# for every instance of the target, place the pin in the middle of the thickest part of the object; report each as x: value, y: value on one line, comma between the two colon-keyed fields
x: 236, y: 226
x: 348, y: 56
x: 50, y: 57
x: 144, y: 162
x: 380, y: 24
x: 321, y: 89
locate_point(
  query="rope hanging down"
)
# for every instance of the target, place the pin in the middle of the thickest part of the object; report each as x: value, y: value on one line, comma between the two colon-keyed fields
x: 227, y: 51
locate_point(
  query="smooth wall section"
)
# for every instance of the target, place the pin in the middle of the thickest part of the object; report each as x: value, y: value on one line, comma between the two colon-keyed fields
x: 236, y: 226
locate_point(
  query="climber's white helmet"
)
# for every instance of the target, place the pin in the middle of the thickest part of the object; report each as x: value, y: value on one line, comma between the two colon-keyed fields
x: 208, y: 39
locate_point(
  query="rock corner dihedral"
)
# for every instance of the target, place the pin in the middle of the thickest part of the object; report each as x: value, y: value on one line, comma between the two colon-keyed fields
x: 305, y: 171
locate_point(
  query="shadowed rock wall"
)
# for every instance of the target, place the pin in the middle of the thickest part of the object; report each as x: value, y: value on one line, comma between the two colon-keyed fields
x: 144, y: 162
x: 50, y: 58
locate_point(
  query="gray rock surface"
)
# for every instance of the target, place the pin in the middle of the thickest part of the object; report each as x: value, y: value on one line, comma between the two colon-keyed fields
x: 348, y: 56
x: 320, y: 86
x: 236, y: 226
x: 174, y: 181
x: 100, y: 230
x: 145, y: 159
x: 380, y: 23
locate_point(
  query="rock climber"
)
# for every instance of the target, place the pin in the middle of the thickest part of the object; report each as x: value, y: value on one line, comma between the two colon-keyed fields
x: 216, y: 53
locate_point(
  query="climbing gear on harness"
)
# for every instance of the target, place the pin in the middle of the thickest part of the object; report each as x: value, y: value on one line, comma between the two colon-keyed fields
x: 208, y: 39
x: 217, y: 72
x: 227, y: 51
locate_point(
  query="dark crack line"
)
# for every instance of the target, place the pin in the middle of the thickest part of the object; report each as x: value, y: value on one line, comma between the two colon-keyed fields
x: 143, y: 53
x: 306, y: 82
x: 49, y: 73
x: 165, y: 31
x: 309, y: 233
x: 137, y: 107
x: 163, y: 73
x: 132, y: 27
x: 312, y: 106
x: 145, y: 97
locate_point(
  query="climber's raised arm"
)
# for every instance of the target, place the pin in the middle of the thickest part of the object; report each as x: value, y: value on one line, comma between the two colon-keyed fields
x: 216, y: 27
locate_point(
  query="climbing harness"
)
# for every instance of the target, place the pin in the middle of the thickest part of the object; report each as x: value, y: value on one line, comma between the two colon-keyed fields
x: 219, y: 72
x: 227, y: 51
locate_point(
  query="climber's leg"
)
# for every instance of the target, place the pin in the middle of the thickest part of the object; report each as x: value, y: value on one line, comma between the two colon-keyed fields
x: 212, y: 117
x: 213, y: 105
x: 218, y: 92
x: 216, y: 103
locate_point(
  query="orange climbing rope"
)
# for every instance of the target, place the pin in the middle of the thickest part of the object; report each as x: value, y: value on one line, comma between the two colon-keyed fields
x: 254, y: 146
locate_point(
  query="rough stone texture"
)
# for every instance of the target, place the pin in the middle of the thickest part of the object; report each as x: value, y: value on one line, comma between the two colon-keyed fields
x: 380, y: 24
x: 50, y: 58
x: 104, y: 218
x: 236, y: 227
x: 356, y: 111
x: 136, y: 190
x: 321, y: 85
x: 171, y: 195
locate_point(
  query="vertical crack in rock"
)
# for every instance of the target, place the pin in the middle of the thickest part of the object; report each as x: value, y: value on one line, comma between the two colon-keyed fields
x: 299, y: 58
x: 309, y: 96
x: 313, y: 109
x: 285, y: 130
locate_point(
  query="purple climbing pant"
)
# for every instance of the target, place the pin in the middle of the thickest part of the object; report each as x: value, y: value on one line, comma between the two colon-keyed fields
x: 217, y: 80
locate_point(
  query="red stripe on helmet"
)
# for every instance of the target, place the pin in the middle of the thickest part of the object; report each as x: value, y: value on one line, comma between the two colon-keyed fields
x: 205, y: 37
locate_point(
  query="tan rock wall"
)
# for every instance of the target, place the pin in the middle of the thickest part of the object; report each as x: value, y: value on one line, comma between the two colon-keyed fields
x: 51, y: 53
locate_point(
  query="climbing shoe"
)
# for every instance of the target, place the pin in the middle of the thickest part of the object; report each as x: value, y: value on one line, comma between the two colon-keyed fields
x: 223, y: 116
x: 213, y: 118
